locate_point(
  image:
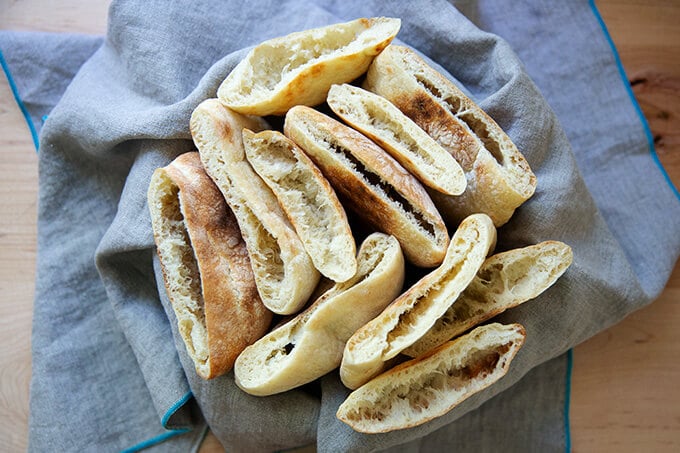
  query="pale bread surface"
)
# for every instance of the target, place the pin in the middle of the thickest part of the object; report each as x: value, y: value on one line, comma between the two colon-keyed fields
x: 413, y: 313
x: 308, y: 199
x: 504, y: 281
x: 311, y: 344
x: 206, y: 268
x: 299, y: 68
x: 380, y: 120
x: 427, y: 387
x: 284, y: 272
x: 499, y: 178
x: 376, y: 186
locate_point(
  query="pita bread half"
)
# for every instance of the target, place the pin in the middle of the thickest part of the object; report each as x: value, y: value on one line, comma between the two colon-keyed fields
x: 385, y: 124
x: 413, y: 313
x: 504, y: 281
x: 499, y: 178
x: 375, y: 186
x: 284, y: 273
x: 206, y: 268
x: 429, y: 386
x: 311, y: 344
x: 299, y: 68
x: 308, y: 200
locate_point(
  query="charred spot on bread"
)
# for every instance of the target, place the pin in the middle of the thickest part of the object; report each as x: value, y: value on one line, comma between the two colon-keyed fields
x: 434, y: 119
x: 498, y: 176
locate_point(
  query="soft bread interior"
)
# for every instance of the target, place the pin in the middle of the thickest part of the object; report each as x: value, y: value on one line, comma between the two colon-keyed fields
x: 180, y: 268
x: 504, y: 281
x: 472, y: 118
x: 339, y: 150
x: 499, y: 178
x: 206, y: 125
x: 422, y: 389
x: 284, y: 273
x: 274, y: 62
x: 310, y: 59
x: 412, y: 314
x: 521, y: 273
x: 310, y: 345
x: 376, y: 117
x: 308, y: 200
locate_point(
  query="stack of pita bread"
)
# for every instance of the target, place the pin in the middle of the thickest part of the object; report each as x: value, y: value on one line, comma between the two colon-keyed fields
x: 358, y: 238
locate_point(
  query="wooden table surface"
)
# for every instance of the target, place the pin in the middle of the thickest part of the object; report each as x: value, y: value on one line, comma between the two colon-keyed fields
x: 626, y: 380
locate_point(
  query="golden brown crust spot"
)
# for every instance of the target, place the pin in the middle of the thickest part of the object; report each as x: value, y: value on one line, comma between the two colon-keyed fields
x: 437, y: 122
x: 234, y: 314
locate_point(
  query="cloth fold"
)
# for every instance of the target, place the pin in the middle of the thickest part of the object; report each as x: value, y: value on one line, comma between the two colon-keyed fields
x: 103, y: 327
x: 44, y: 74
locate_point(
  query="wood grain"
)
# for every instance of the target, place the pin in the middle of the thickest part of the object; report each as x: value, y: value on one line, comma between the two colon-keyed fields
x: 647, y: 36
x: 625, y: 396
x: 78, y: 16
x: 18, y: 192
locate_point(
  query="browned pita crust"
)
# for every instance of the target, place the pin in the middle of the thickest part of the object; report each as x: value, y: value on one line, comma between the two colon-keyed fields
x: 206, y: 267
x: 498, y: 177
x: 377, y: 187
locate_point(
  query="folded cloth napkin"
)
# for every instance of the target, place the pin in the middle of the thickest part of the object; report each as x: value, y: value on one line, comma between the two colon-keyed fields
x: 110, y: 371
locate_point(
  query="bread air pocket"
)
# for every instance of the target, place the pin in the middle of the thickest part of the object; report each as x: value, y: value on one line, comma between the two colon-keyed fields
x: 427, y: 387
x: 206, y: 268
x: 413, y: 313
x: 311, y: 344
x: 299, y: 68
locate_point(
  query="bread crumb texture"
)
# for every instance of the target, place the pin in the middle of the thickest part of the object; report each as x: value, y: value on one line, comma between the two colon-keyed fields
x: 421, y: 389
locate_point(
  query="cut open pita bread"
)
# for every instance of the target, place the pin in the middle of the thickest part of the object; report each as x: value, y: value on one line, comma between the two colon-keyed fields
x: 413, y: 313
x: 205, y: 264
x: 284, y: 272
x: 311, y: 344
x: 429, y: 386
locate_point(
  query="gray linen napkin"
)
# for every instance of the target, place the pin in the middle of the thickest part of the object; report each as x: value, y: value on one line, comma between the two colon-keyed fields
x: 109, y: 370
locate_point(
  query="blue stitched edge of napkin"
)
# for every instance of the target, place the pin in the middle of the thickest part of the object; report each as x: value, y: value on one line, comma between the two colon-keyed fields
x: 567, y: 399
x: 170, y: 432
x: 164, y: 422
x: 19, y: 101
x: 633, y: 100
